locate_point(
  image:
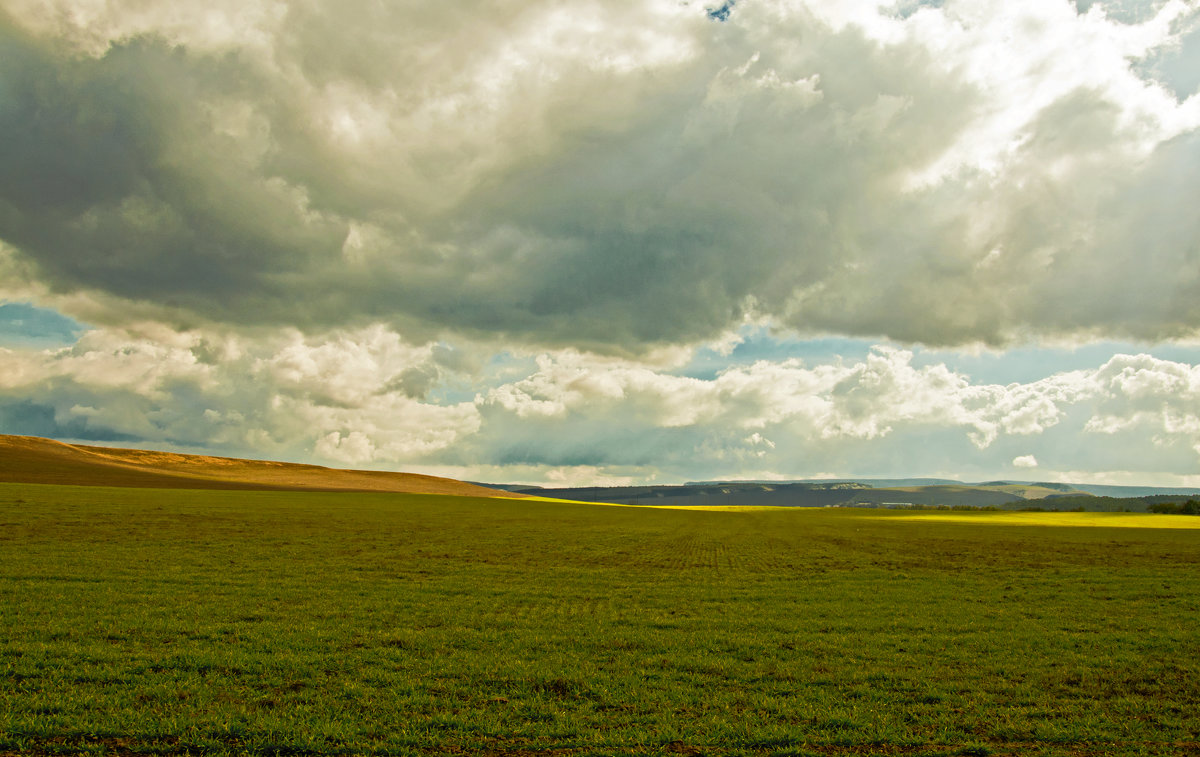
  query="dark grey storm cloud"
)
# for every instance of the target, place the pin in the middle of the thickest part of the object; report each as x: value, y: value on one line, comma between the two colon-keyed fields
x: 555, y: 174
x: 114, y: 180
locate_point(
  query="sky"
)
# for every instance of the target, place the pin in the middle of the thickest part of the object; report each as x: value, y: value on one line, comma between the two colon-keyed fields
x: 567, y: 242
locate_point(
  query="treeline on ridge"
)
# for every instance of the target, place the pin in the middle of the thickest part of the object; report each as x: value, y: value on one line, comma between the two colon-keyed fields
x: 1158, y: 503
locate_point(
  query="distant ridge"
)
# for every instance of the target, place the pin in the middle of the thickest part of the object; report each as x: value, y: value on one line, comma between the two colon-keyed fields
x: 889, y: 493
x: 1100, y: 490
x: 34, y: 460
x: 819, y: 493
x: 1104, y: 490
x: 872, y: 482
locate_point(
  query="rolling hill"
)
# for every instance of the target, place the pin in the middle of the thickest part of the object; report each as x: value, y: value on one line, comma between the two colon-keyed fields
x: 33, y: 460
x: 874, y: 493
x: 817, y: 494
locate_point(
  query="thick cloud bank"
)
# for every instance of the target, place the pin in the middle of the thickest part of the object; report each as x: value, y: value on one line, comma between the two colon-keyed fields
x: 367, y: 398
x: 498, y: 240
x: 564, y: 174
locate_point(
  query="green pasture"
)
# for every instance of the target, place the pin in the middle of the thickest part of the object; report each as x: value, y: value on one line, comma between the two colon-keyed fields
x: 201, y: 622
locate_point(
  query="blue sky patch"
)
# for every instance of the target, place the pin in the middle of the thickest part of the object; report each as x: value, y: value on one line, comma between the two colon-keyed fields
x: 759, y: 344
x: 1015, y: 365
x: 1176, y: 67
x: 721, y: 13
x: 24, y: 325
x: 1125, y: 11
x: 906, y: 8
x: 1023, y: 365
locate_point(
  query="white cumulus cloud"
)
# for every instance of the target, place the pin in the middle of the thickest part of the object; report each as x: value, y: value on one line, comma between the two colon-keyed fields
x: 488, y: 238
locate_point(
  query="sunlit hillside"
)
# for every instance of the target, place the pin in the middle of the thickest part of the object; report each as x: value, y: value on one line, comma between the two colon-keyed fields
x: 33, y: 460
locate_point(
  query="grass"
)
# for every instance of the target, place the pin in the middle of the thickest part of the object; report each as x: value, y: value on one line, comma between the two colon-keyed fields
x: 214, y: 622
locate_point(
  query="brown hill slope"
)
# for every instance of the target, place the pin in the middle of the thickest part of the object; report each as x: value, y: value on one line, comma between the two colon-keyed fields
x: 33, y: 460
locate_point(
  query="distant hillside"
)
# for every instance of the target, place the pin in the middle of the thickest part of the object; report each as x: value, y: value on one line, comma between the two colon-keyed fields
x: 526, y: 488
x: 33, y: 460
x: 816, y: 494
x: 1101, y: 490
x: 693, y: 495
x: 1068, y: 488
x: 810, y: 494
x: 959, y: 495
x: 868, y: 482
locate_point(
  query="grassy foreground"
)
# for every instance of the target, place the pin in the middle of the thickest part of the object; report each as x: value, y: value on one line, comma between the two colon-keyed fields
x: 217, y: 622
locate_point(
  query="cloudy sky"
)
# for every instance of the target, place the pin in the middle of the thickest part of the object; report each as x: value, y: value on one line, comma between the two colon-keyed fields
x: 571, y: 241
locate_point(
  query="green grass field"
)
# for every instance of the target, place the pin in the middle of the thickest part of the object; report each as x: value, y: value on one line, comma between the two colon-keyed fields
x: 208, y: 622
